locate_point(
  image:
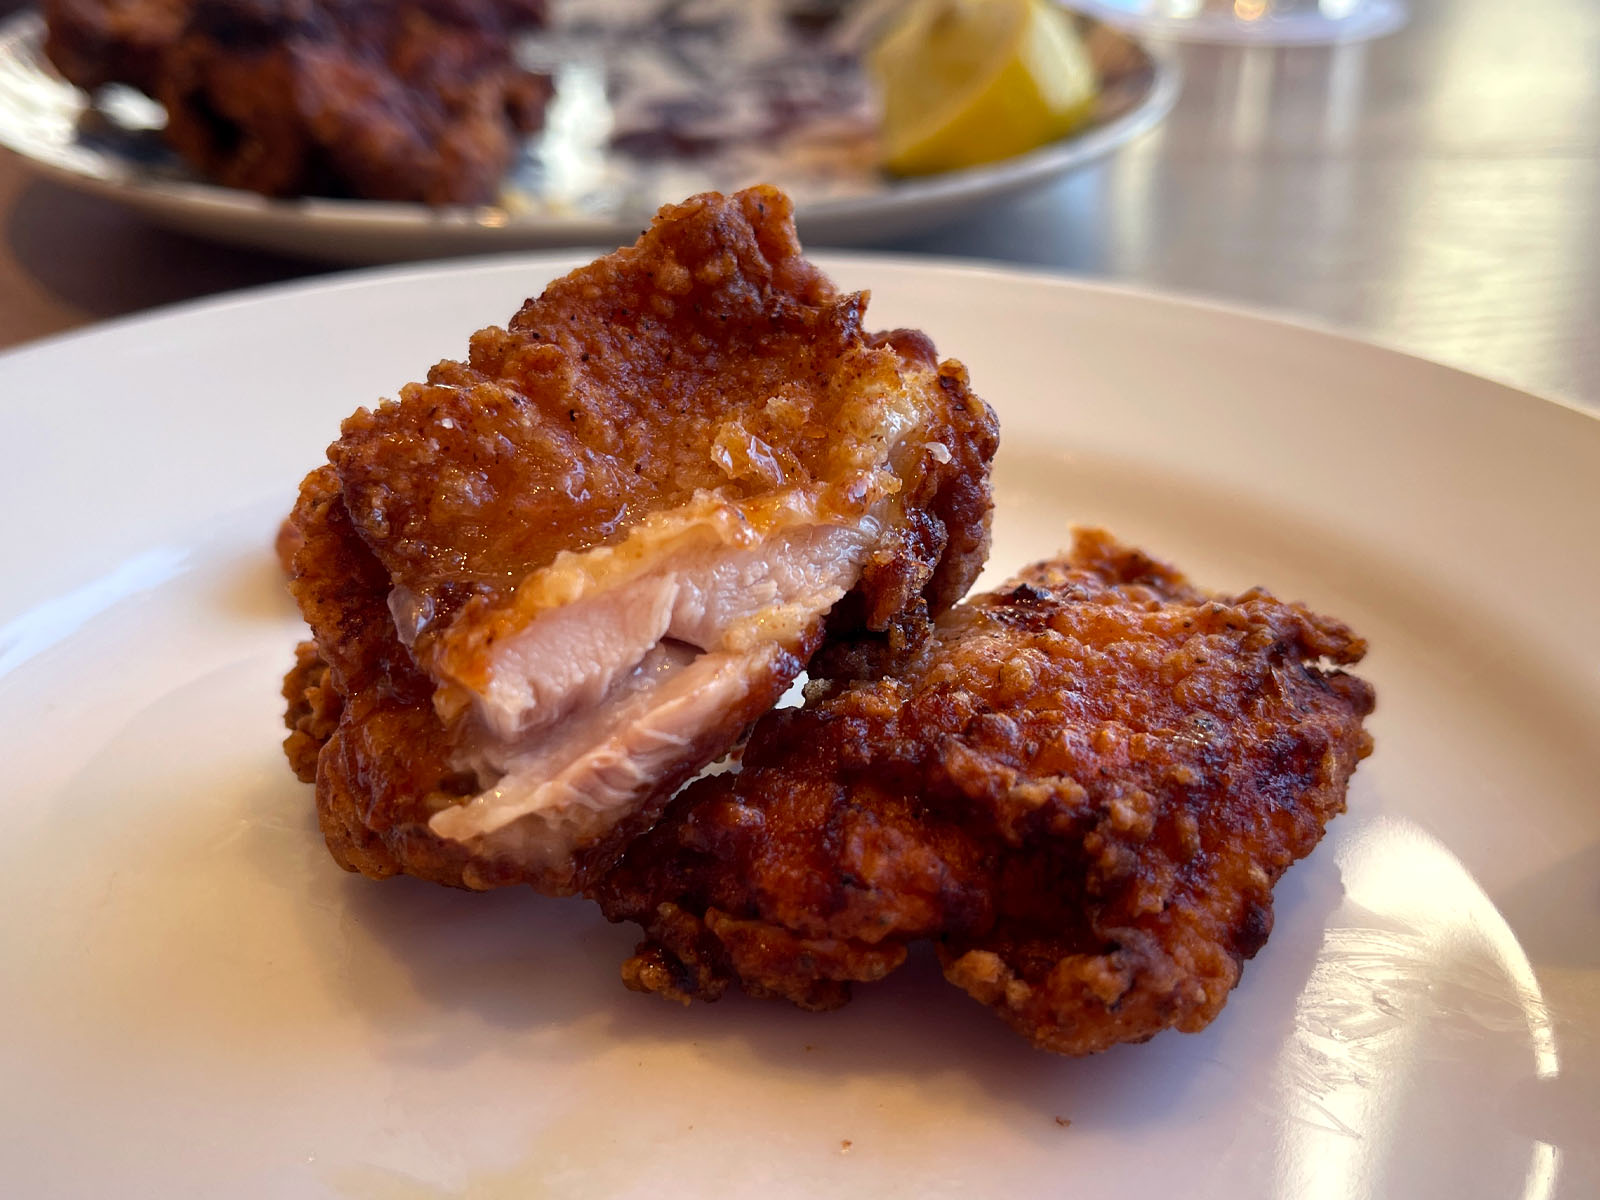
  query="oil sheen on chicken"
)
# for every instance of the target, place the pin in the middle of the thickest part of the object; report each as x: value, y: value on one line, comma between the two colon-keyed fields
x: 551, y: 583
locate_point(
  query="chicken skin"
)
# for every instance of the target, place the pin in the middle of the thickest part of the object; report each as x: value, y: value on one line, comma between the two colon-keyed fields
x: 418, y: 100
x: 96, y: 42
x: 1083, y: 787
x: 550, y: 584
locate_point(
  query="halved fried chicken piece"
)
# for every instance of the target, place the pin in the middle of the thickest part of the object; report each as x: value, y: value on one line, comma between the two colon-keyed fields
x: 1083, y: 787
x: 554, y: 581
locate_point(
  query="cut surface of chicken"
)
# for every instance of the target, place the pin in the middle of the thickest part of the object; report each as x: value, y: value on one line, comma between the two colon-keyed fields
x: 560, y: 790
x: 709, y: 581
x: 575, y: 567
x: 591, y: 698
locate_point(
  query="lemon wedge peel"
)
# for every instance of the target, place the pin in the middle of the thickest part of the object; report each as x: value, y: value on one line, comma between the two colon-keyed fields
x: 968, y: 82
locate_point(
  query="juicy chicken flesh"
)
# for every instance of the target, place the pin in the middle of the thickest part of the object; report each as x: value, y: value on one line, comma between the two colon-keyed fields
x: 551, y: 583
x: 1082, y: 787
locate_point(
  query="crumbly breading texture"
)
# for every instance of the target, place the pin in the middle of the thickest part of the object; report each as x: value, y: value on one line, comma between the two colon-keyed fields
x: 419, y: 100
x: 711, y: 357
x: 1083, y: 788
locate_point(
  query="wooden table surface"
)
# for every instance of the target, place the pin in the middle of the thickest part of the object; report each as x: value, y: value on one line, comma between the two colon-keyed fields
x: 1437, y: 190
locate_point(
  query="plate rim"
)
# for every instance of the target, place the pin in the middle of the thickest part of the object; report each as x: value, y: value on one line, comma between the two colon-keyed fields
x: 828, y: 258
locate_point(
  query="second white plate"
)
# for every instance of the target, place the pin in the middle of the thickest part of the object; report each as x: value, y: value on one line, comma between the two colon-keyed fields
x: 115, y: 151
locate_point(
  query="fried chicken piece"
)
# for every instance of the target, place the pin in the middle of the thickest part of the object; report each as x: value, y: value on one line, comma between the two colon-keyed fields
x: 413, y: 101
x: 554, y: 581
x: 1084, y: 787
x: 313, y: 710
x: 96, y: 42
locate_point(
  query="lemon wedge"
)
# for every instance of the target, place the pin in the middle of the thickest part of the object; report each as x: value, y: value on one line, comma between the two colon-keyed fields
x: 966, y: 82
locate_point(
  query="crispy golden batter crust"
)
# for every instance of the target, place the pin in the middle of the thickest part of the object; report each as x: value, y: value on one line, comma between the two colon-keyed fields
x: 1084, y: 787
x: 711, y: 356
x: 312, y: 712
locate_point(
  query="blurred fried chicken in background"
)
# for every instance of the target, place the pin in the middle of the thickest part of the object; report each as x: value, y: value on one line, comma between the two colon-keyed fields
x: 96, y: 42
x: 1083, y: 788
x: 553, y: 582
x: 418, y: 100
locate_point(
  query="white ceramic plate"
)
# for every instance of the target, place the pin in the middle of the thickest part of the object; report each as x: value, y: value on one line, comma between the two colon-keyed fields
x: 568, y: 189
x: 198, y: 1002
